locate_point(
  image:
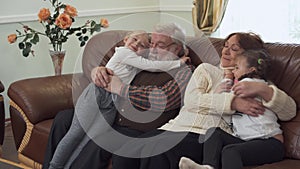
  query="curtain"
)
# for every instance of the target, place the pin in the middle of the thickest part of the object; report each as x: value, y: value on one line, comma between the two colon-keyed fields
x: 208, y: 14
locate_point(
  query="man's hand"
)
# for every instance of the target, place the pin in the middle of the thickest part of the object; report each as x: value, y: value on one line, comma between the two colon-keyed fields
x: 248, y: 106
x: 115, y: 85
x: 101, y: 76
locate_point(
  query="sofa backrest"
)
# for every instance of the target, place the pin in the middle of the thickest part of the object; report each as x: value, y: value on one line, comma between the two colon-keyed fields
x: 285, y: 71
x: 101, y: 47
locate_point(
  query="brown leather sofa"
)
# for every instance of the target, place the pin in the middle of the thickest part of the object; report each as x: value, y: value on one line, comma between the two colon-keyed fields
x: 35, y: 102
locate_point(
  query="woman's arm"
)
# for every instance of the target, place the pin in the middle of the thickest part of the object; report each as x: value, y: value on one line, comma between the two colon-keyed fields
x: 200, y: 94
x: 282, y: 104
x: 273, y: 98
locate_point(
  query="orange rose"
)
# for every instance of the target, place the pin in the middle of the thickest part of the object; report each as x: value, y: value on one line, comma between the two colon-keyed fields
x: 104, y: 23
x: 70, y: 10
x: 44, y: 14
x: 63, y: 21
x: 12, y: 38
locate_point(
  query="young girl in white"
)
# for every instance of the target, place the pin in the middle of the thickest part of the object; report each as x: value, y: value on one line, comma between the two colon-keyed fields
x: 95, y: 110
x: 221, y: 150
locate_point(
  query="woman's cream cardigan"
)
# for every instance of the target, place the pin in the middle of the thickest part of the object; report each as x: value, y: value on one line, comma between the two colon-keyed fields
x: 204, y: 109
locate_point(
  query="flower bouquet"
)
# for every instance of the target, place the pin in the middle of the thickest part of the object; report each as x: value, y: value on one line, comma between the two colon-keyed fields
x: 57, y: 28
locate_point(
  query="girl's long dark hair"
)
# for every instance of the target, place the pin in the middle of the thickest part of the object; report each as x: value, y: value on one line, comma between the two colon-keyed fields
x: 259, y: 59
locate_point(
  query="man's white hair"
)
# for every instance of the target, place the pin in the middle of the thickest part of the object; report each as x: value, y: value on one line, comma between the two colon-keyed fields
x: 173, y: 30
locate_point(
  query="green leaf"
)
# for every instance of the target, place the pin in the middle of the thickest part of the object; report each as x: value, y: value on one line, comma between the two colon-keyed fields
x: 97, y: 28
x: 93, y: 23
x: 33, y: 42
x: 26, y: 52
x: 82, y: 43
x: 29, y: 35
x: 19, y: 32
x: 85, y: 38
x: 78, y: 34
x: 21, y: 45
x: 80, y: 38
x: 28, y: 45
x: 53, y: 2
x: 55, y: 15
x: 35, y: 39
x: 64, y: 39
x: 84, y: 30
x: 92, y: 31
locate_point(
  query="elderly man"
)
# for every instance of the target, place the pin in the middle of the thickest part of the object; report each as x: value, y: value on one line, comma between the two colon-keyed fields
x: 142, y: 106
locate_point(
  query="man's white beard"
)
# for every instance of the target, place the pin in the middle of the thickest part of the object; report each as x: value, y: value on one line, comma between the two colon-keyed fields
x: 167, y: 56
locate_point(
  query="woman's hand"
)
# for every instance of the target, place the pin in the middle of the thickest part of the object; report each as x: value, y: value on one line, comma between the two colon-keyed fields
x: 253, y: 89
x: 101, y: 76
x: 248, y: 106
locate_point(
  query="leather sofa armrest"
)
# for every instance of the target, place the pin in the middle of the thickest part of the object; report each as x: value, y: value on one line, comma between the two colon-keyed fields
x: 43, y: 97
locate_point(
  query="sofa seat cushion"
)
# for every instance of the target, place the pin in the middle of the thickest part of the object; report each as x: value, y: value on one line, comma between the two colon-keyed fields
x: 285, y: 164
x: 44, y: 126
x: 38, y: 141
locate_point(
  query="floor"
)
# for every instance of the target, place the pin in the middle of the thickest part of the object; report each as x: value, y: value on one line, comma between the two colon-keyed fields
x: 9, y: 151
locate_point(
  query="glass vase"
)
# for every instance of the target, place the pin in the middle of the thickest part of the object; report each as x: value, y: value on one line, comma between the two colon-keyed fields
x: 57, y: 60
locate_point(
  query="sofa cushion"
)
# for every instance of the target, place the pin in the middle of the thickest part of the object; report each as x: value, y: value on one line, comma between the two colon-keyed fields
x: 285, y: 164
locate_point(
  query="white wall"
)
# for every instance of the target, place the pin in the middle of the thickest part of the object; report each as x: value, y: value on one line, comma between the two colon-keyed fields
x: 129, y: 14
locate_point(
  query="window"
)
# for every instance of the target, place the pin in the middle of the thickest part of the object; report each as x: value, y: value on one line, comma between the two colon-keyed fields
x: 273, y: 20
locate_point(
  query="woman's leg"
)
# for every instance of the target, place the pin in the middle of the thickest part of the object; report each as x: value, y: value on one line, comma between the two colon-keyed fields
x: 216, y: 139
x: 128, y: 155
x: 253, y: 152
x: 188, y: 145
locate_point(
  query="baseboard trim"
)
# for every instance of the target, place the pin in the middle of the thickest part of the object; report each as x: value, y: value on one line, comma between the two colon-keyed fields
x: 20, y: 165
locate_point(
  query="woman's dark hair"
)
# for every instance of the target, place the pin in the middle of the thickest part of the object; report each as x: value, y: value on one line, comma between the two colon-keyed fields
x: 259, y: 59
x: 247, y: 41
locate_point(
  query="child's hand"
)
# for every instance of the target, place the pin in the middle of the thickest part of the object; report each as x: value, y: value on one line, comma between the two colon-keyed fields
x: 228, y: 74
x: 224, y: 86
x: 184, y: 59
